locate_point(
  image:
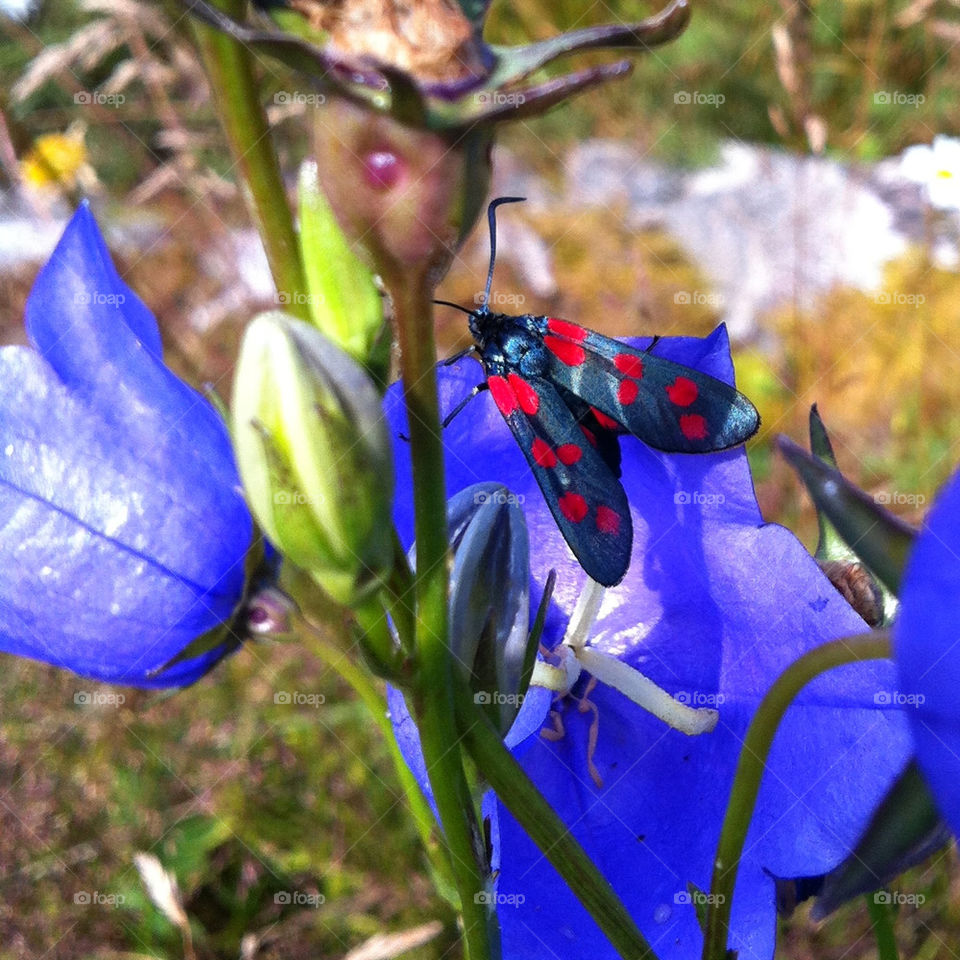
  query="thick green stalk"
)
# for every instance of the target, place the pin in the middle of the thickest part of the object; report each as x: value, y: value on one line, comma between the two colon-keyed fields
x: 237, y: 97
x: 433, y: 701
x: 752, y: 765
x: 518, y: 793
x: 881, y: 920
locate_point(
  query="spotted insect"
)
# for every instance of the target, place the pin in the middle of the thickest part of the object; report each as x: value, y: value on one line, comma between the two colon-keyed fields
x: 568, y: 393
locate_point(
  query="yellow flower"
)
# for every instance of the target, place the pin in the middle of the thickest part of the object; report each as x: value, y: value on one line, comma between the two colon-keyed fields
x: 58, y: 160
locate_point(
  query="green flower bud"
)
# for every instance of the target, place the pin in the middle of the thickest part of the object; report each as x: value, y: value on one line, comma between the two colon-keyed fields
x: 490, y: 598
x: 341, y: 293
x: 314, y: 455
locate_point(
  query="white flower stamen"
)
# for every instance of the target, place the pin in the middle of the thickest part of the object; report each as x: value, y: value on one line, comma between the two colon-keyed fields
x: 575, y: 655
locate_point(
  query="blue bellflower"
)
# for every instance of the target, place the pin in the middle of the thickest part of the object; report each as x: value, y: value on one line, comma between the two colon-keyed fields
x: 123, y: 529
x: 927, y: 649
x: 716, y: 604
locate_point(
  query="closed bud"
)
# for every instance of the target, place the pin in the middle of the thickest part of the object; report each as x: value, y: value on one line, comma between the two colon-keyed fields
x: 314, y: 455
x: 344, y: 302
x: 407, y: 196
x: 490, y: 597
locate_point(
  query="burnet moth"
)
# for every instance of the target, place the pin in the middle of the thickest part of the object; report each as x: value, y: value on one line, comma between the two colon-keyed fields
x: 568, y: 393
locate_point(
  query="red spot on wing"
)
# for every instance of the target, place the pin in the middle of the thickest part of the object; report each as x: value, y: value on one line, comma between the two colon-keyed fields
x: 569, y: 453
x: 526, y: 395
x: 629, y: 364
x: 573, y: 507
x: 683, y: 391
x: 608, y: 521
x: 608, y: 423
x: 542, y: 454
x: 572, y: 354
x: 693, y: 426
x: 627, y: 392
x: 564, y: 328
x: 503, y: 395
x: 588, y: 433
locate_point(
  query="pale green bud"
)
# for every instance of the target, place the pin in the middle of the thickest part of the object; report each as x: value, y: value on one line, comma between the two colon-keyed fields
x: 342, y: 296
x: 314, y: 455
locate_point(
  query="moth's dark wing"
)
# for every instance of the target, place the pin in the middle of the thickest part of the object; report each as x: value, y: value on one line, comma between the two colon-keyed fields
x: 603, y: 437
x: 667, y: 405
x: 586, y: 499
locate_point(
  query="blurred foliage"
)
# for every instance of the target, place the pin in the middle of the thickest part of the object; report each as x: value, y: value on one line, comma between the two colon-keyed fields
x: 280, y: 820
x: 858, y: 65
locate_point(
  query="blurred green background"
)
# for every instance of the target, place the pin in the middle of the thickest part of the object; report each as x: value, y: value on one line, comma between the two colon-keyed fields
x: 283, y: 822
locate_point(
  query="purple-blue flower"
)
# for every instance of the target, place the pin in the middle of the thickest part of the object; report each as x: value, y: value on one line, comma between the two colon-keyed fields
x: 123, y: 529
x: 927, y: 649
x: 715, y: 606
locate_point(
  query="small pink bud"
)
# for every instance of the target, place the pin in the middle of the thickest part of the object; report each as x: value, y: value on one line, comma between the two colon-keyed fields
x: 382, y: 169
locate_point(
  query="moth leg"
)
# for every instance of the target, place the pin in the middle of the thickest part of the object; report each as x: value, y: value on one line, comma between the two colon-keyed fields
x: 459, y: 355
x: 448, y: 419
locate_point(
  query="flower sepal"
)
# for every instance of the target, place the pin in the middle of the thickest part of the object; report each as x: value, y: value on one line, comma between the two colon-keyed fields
x: 841, y: 565
x: 880, y: 539
x: 450, y: 77
x: 904, y: 830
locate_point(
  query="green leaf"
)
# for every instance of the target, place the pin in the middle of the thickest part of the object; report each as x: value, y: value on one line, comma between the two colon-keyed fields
x: 905, y: 830
x: 878, y: 538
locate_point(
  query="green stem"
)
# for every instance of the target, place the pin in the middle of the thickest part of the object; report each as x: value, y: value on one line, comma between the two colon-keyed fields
x: 433, y: 701
x: 371, y: 697
x: 752, y: 765
x: 518, y: 793
x: 237, y: 98
x: 882, y: 923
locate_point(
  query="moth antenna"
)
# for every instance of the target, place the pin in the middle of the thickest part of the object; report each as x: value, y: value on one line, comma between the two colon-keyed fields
x: 456, y: 306
x: 492, y: 221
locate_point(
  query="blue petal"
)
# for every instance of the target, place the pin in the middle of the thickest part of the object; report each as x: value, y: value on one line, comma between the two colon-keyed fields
x: 120, y: 504
x: 927, y: 647
x: 716, y: 604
